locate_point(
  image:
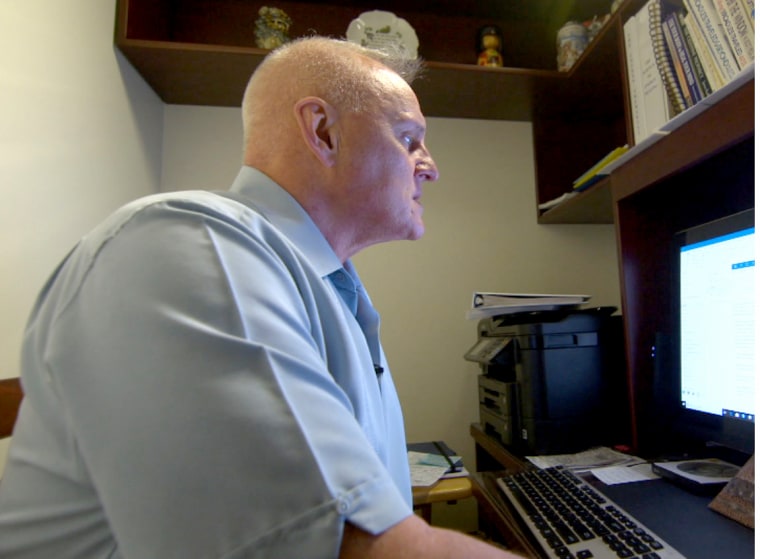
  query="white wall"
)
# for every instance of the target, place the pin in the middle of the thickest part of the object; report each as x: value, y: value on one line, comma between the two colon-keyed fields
x: 80, y: 134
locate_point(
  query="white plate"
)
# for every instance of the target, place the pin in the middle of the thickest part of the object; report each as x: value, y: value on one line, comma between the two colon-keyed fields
x: 378, y: 30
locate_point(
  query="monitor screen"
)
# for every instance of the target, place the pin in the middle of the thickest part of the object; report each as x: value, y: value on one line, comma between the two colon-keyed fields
x: 716, y: 318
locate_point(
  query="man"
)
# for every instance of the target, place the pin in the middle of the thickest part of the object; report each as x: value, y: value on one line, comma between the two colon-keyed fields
x: 203, y: 374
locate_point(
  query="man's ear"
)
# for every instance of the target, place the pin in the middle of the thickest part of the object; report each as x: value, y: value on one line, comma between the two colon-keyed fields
x: 317, y: 118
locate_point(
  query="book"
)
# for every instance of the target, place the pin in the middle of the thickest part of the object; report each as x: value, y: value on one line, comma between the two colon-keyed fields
x: 682, y: 61
x: 700, y: 73
x: 650, y: 105
x: 665, y: 64
x: 678, y: 70
x: 709, y: 25
x: 749, y: 8
x: 593, y: 174
x: 487, y: 304
x: 736, y: 26
x: 633, y: 71
x: 713, y: 74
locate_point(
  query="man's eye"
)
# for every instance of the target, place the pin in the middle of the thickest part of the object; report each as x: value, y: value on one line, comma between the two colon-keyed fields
x: 410, y: 141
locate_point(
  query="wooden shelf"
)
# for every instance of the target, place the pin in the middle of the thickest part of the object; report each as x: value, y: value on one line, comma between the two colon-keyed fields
x: 593, y: 205
x: 719, y: 127
x: 191, y: 74
x: 205, y: 53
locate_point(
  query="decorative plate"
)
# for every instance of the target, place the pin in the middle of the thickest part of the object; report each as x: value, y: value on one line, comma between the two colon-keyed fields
x: 379, y: 30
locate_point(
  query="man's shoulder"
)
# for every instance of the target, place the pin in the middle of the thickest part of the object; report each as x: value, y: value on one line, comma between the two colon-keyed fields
x: 187, y: 205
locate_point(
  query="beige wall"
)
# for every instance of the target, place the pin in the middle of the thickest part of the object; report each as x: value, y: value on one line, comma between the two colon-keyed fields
x: 82, y: 134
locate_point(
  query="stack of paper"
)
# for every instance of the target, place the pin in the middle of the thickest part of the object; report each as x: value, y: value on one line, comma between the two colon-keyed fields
x: 586, y: 460
x: 608, y: 465
x: 431, y: 461
x: 493, y: 304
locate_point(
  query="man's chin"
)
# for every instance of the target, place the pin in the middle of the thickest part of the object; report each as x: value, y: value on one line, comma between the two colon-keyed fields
x: 417, y: 232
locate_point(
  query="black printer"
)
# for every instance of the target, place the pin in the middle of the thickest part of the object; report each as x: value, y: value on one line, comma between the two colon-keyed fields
x: 553, y: 382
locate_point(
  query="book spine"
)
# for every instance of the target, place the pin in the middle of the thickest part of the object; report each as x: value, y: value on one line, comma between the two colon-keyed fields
x: 699, y: 71
x: 708, y: 21
x: 689, y: 81
x: 662, y: 56
x: 633, y: 69
x: 749, y: 9
x: 743, y: 27
x: 745, y: 23
x: 714, y: 76
x: 656, y: 103
x: 733, y: 37
x: 677, y: 66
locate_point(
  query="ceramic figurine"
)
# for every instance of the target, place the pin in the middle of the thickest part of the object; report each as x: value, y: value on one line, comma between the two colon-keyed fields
x: 489, y: 47
x: 272, y: 28
x: 572, y: 38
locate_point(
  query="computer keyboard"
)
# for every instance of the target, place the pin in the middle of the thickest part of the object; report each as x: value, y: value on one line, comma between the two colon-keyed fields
x: 570, y: 519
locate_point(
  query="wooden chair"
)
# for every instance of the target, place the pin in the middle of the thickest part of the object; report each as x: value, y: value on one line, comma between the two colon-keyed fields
x: 10, y: 400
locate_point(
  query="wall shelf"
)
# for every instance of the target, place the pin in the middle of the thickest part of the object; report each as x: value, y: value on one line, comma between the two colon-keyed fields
x: 593, y: 205
x: 205, y: 53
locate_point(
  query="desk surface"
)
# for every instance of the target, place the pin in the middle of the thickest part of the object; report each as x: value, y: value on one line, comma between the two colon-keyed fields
x: 684, y: 520
x: 681, y: 518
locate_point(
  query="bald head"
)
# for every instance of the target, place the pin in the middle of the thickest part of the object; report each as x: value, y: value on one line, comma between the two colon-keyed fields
x: 340, y: 129
x: 337, y: 71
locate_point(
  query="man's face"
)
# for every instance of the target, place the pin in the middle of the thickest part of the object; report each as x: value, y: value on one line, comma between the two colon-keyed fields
x: 386, y: 163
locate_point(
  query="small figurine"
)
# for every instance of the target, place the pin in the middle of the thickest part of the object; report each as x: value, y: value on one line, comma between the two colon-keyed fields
x: 489, y: 47
x: 272, y: 28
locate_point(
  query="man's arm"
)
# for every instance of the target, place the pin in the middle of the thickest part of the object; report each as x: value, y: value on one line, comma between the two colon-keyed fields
x: 413, y: 538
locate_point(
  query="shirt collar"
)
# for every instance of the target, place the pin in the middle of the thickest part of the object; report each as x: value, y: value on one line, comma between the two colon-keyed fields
x: 284, y: 212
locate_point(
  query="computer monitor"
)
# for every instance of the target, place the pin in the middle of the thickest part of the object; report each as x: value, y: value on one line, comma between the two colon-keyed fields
x: 715, y: 357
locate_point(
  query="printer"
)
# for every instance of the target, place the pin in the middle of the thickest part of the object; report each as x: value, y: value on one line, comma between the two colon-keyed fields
x: 552, y: 382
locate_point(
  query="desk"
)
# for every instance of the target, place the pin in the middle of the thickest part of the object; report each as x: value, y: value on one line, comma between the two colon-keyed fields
x: 676, y: 515
x: 444, y: 490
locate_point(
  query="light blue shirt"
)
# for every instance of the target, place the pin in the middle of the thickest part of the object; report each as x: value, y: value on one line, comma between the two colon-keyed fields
x: 197, y: 385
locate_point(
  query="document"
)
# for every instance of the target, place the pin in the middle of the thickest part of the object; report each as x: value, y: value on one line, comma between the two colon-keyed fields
x: 586, y: 460
x: 486, y: 304
x: 433, y: 460
x: 614, y: 475
x: 427, y: 468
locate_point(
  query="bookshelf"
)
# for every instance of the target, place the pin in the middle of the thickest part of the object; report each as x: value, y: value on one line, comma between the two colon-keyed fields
x: 201, y: 52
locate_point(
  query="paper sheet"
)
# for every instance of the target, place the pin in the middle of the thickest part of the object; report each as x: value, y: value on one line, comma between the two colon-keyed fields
x: 598, y: 457
x: 423, y: 476
x: 614, y: 475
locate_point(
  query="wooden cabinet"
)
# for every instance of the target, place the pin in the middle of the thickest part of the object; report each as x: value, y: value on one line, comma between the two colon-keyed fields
x: 202, y: 52
x: 701, y: 171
